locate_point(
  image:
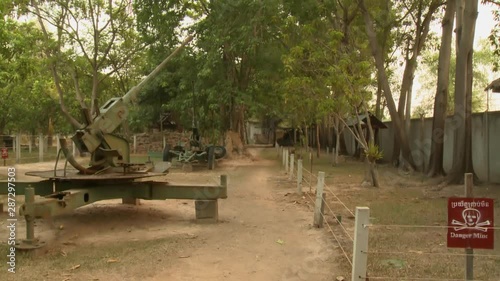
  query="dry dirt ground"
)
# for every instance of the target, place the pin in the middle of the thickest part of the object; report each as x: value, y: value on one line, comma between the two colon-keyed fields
x: 260, y: 236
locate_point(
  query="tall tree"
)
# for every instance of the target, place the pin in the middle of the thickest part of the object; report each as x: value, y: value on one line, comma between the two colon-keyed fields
x: 234, y: 62
x: 399, y: 128
x: 466, y: 24
x: 421, y: 12
x: 441, y: 98
x: 26, y: 96
x: 100, y: 32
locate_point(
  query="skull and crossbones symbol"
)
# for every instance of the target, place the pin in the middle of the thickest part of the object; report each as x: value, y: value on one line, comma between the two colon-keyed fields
x: 472, y: 219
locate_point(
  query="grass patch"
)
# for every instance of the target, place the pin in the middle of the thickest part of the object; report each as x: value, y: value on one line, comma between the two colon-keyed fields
x: 123, y: 258
x: 403, y: 199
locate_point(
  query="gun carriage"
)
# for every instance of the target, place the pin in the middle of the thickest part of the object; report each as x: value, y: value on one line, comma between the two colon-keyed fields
x: 110, y: 173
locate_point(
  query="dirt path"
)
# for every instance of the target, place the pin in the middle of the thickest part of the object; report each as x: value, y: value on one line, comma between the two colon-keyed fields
x: 259, y: 237
x: 245, y: 247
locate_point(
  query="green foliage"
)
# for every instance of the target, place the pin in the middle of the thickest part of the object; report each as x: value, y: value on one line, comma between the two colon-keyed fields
x: 90, y: 48
x: 25, y: 89
x: 327, y: 69
x: 483, y: 59
x: 373, y: 153
x: 494, y: 37
x: 231, y: 69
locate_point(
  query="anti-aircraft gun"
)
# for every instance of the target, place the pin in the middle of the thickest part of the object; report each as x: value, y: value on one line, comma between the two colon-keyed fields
x: 109, y: 175
x: 108, y: 150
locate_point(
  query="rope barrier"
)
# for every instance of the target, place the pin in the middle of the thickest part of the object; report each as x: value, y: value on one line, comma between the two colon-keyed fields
x: 421, y: 226
x: 428, y: 253
x: 415, y: 278
x: 340, y: 223
x: 334, y: 236
x: 306, y: 181
x: 334, y: 195
x: 338, y: 199
x: 344, y: 252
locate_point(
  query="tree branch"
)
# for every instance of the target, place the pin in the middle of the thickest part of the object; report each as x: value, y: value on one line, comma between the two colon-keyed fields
x: 55, y: 75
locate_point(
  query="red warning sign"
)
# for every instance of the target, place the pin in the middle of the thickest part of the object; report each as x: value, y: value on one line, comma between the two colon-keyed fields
x: 470, y: 223
x: 5, y: 153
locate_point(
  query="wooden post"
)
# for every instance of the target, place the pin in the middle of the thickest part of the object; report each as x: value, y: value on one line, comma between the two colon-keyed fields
x: 135, y: 144
x: 292, y: 163
x: 311, y: 171
x: 18, y: 148
x: 320, y: 201
x: 282, y: 157
x: 164, y: 143
x: 359, y: 254
x: 286, y: 160
x: 58, y: 145
x: 40, y: 147
x: 299, y: 176
x: 469, y: 258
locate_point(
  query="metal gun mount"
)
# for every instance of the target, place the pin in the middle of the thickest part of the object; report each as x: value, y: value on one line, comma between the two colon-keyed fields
x: 108, y: 150
x: 110, y: 174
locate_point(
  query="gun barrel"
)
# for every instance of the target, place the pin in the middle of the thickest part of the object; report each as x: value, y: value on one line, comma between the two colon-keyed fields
x: 131, y: 95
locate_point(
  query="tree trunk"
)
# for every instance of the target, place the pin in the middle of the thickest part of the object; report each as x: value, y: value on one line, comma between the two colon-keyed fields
x: 396, y: 154
x: 337, y: 147
x: 441, y: 100
x: 317, y: 141
x: 338, y: 130
x: 421, y: 34
x: 462, y: 114
x: 306, y: 140
x: 469, y: 168
x: 371, y: 173
x: 378, y: 109
x: 382, y: 76
x: 329, y: 136
x: 343, y: 145
x: 408, y: 107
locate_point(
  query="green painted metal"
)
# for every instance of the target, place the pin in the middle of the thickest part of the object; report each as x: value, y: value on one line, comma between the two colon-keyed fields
x: 97, y: 138
x: 67, y: 200
x: 31, y: 242
x: 63, y: 196
x: 149, y: 190
x: 44, y: 187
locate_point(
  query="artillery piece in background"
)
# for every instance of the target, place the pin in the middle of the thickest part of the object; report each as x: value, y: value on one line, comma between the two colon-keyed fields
x: 196, y: 153
x: 109, y: 175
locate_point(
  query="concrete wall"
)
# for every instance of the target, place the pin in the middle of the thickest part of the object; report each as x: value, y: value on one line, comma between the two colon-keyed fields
x: 485, y: 142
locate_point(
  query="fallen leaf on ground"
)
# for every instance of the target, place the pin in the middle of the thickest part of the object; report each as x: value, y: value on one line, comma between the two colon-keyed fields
x: 281, y: 242
x: 75, y: 267
x: 69, y: 243
x: 63, y: 253
x: 112, y: 260
x: 416, y: 252
x: 184, y: 257
x: 340, y: 278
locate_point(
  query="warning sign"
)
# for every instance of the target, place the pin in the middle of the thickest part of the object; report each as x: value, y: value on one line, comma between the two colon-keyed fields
x: 5, y: 153
x: 470, y: 223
